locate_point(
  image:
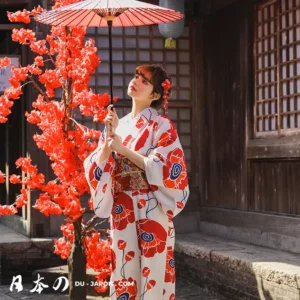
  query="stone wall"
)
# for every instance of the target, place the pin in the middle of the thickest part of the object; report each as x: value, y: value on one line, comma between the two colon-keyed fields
x: 25, y: 257
x: 237, y: 271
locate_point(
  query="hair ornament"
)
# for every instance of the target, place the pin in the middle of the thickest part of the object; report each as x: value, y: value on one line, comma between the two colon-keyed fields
x: 166, y: 86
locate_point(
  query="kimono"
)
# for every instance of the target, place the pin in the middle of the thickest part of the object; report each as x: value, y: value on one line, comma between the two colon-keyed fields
x: 141, y: 205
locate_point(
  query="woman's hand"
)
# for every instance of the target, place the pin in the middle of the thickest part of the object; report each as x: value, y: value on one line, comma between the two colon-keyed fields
x: 115, y: 143
x: 111, y: 120
x: 105, y: 150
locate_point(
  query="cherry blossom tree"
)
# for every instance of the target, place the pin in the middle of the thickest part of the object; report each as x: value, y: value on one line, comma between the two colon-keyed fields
x: 72, y: 60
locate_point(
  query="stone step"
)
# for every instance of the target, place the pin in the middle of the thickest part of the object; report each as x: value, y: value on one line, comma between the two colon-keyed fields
x: 271, y: 231
x: 21, y: 255
x: 237, y: 270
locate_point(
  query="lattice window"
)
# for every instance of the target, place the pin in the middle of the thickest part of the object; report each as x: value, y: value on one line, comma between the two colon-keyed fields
x: 277, y: 67
x: 133, y: 46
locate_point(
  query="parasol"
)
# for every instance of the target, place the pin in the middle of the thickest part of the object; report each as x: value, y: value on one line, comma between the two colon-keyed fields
x: 109, y: 13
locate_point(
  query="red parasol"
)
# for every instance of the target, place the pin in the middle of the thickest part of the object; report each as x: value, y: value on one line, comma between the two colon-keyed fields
x: 111, y: 13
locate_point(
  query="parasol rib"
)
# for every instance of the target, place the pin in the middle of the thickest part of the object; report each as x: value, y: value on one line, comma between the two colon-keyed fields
x: 88, y: 12
x: 59, y: 17
x: 133, y: 13
x: 125, y: 15
x: 148, y: 14
x: 158, y: 13
x: 92, y: 15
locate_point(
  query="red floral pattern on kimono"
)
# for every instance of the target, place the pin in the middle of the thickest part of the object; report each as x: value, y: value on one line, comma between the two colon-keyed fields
x: 141, y: 214
x: 125, y: 289
x: 170, y: 266
x: 175, y: 174
x: 151, y: 237
x: 122, y: 212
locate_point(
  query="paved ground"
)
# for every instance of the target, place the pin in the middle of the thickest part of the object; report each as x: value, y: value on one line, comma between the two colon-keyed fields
x: 183, y: 292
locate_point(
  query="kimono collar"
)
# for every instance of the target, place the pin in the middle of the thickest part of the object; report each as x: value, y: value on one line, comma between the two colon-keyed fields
x: 147, y: 114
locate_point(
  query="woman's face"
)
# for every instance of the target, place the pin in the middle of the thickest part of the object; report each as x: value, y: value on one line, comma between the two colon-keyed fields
x: 140, y: 87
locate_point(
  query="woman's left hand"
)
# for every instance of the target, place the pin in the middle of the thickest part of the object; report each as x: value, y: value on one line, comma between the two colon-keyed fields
x: 115, y: 142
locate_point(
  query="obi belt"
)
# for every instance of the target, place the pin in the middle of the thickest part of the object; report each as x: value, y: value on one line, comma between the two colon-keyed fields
x: 129, y: 177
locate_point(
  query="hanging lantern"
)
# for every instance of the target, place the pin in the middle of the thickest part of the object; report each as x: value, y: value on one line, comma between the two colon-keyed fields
x: 172, y: 30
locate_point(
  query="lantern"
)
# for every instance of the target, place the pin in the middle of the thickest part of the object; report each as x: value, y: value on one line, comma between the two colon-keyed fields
x: 172, y: 30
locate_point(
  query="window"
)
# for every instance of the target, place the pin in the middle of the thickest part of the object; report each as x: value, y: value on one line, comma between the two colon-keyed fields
x: 277, y: 67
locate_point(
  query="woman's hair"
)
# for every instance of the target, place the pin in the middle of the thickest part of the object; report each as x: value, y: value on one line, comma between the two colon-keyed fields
x: 157, y: 76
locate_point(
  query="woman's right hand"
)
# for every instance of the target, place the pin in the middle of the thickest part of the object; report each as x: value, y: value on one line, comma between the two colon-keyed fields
x: 106, y: 149
x: 111, y: 120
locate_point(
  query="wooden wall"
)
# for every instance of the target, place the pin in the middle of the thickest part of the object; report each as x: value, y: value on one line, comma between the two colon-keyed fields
x: 224, y: 108
x: 239, y: 171
x: 275, y: 186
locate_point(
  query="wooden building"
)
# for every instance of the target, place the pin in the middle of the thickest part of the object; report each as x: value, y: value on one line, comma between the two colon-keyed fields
x: 236, y: 106
x: 249, y: 121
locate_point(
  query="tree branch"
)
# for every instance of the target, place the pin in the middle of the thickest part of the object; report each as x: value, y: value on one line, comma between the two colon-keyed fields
x: 38, y: 88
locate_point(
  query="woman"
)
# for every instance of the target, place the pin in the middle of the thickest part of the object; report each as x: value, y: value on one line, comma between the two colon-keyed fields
x: 138, y: 177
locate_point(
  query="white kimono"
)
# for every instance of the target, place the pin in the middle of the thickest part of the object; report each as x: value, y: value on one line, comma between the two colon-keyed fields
x: 142, y: 231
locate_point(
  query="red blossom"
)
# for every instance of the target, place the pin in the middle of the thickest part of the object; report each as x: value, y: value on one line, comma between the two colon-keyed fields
x: 37, y: 10
x: 19, y: 16
x: 24, y: 15
x: 25, y: 164
x: 23, y: 36
x: 34, y: 70
x: 7, y: 210
x: 74, y: 210
x: 15, y: 179
x: 3, y: 120
x: 68, y: 231
x: 22, y: 199
x: 20, y: 73
x: 4, y: 62
x: 46, y: 206
x: 73, y: 60
x: 33, y: 117
x: 2, y: 177
x: 5, y: 105
x: 51, y: 81
x: 62, y: 248
x: 39, y: 47
x: 14, y: 82
x: 98, y: 257
x: 13, y: 93
x: 39, y: 61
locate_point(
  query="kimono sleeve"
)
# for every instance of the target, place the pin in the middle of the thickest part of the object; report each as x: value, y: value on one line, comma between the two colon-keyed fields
x: 165, y: 169
x: 99, y: 178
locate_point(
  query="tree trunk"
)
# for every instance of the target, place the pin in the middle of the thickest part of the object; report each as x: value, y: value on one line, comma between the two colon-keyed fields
x: 77, y: 266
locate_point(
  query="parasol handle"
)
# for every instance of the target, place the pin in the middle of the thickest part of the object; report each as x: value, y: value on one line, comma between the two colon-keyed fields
x: 109, y: 23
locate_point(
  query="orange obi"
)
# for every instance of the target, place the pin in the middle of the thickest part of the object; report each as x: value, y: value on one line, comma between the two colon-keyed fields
x: 128, y: 176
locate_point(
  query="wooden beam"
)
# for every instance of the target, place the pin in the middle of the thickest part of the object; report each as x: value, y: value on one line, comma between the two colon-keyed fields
x: 273, y: 147
x: 13, y: 2
x: 10, y: 26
